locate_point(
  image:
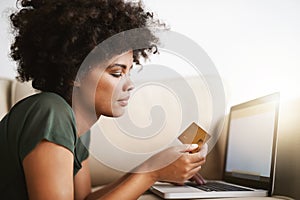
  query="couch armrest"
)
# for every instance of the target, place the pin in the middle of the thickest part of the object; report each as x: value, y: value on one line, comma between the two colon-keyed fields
x: 5, y: 89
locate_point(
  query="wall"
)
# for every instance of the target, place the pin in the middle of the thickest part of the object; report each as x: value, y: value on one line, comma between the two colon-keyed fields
x: 7, y: 68
x: 253, y: 43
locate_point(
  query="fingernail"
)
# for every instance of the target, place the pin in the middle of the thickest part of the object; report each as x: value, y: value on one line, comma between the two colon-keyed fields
x: 194, y: 145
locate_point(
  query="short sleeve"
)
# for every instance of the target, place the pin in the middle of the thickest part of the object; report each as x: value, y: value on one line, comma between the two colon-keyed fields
x: 81, y: 151
x: 83, y: 145
x: 47, y: 117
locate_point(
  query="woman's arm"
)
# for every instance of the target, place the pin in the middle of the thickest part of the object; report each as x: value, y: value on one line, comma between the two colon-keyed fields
x: 48, y: 171
x: 133, y: 185
x: 129, y: 186
x: 49, y: 174
x: 82, y: 182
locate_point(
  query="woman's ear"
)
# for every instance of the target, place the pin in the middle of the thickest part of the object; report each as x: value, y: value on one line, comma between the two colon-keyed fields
x: 76, y: 83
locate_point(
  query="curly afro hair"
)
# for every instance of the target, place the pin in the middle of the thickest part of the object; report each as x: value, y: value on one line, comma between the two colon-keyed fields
x: 52, y: 38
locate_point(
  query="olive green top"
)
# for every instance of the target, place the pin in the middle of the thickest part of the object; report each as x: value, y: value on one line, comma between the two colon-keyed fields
x: 43, y: 116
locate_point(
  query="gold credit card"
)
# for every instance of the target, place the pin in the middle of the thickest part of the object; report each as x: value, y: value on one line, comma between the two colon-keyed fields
x: 194, y: 134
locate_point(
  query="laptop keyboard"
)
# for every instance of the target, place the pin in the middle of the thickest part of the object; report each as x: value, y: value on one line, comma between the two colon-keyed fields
x: 215, y: 186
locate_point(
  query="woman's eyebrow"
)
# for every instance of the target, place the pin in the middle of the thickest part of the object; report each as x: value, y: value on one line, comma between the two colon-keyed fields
x: 119, y: 65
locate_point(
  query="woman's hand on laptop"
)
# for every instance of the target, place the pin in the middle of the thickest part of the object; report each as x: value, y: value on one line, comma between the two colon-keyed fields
x: 175, y: 164
x: 198, y: 179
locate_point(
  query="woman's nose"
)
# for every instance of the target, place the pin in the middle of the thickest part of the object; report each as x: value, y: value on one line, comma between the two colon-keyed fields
x: 128, y: 84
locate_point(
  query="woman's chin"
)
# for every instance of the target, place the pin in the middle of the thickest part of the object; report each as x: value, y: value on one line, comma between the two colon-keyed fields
x: 119, y: 114
x: 116, y: 113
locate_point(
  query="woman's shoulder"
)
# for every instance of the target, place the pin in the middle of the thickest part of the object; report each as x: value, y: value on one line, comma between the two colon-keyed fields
x: 45, y: 101
x: 46, y: 97
x: 42, y: 106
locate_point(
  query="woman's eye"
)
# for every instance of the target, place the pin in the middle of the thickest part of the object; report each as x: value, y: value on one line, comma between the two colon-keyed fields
x: 117, y: 74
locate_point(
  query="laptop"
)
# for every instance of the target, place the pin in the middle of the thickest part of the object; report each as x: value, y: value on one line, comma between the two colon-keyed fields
x: 249, y: 158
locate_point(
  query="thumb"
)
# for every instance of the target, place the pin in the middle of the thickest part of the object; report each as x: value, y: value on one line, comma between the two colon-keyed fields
x: 203, y: 151
x: 188, y: 147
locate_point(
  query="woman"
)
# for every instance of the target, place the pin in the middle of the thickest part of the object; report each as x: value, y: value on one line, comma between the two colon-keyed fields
x: 42, y: 155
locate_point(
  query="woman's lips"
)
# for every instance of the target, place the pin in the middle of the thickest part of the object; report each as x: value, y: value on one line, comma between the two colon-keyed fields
x: 124, y: 101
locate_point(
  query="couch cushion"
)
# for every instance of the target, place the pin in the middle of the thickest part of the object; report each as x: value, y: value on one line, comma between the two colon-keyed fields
x: 21, y: 90
x: 5, y: 96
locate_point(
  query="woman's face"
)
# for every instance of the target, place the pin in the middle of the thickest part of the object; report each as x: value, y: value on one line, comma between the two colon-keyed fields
x: 112, y: 86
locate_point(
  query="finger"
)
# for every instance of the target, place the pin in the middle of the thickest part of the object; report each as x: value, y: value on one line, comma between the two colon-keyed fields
x: 199, y: 179
x: 197, y: 164
x: 196, y: 158
x: 187, y: 147
x: 203, y: 151
x: 192, y: 172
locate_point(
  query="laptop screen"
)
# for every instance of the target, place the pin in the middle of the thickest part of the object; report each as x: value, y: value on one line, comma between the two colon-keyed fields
x: 251, y: 142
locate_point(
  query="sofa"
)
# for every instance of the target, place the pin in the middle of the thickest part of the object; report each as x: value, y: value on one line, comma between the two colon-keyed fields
x: 12, y: 91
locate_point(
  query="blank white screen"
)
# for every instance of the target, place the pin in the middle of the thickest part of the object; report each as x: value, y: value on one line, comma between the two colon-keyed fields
x: 250, y: 140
